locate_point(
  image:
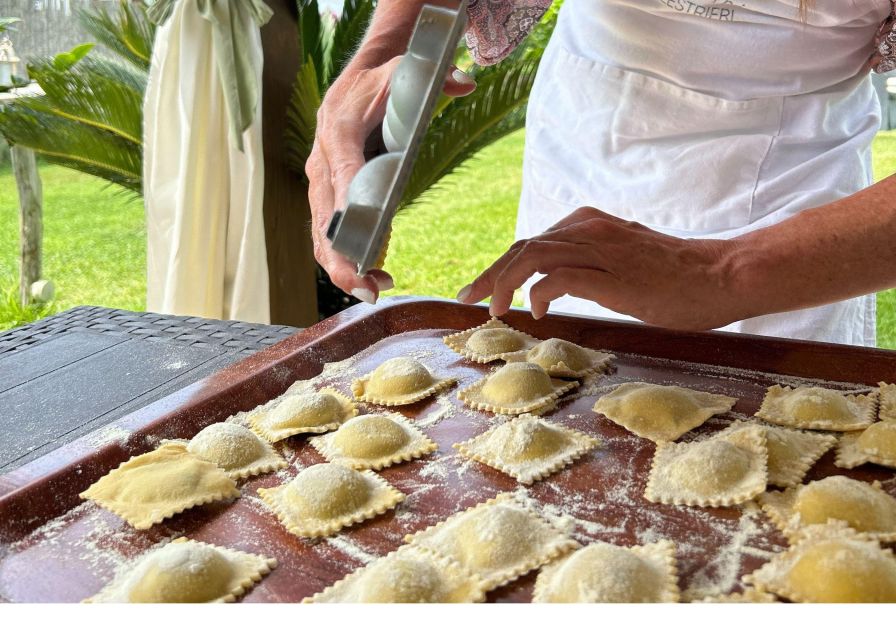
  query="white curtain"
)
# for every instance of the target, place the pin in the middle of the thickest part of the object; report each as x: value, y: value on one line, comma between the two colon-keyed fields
x: 203, y: 196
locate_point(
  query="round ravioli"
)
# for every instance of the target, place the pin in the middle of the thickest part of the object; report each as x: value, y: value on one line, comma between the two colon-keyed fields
x: 399, y: 377
x: 523, y: 440
x: 711, y: 466
x: 554, y: 352
x: 328, y: 491
x: 307, y: 410
x: 491, y: 342
x: 517, y: 382
x: 843, y: 570
x: 498, y: 540
x: 370, y: 436
x: 228, y: 445
x: 879, y: 440
x: 181, y: 573
x: 659, y: 405
x: 402, y: 580
x: 860, y: 505
x: 816, y: 404
x: 607, y: 573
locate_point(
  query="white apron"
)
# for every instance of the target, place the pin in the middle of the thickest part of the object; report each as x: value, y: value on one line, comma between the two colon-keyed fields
x: 206, y: 251
x: 705, y: 121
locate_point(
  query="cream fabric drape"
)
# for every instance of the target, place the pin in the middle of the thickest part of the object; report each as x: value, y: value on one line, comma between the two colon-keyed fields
x: 203, y: 196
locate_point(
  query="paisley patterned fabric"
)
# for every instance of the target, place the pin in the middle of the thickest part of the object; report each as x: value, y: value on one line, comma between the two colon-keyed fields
x: 884, y: 58
x: 496, y: 27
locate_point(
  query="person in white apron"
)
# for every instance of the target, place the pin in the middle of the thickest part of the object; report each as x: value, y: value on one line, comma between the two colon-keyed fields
x: 699, y: 121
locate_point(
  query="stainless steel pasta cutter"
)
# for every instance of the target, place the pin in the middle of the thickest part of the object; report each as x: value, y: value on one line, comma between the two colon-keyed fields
x: 361, y: 231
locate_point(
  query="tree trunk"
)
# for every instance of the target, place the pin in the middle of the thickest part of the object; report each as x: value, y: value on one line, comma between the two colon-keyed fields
x: 287, y: 215
x: 31, y: 226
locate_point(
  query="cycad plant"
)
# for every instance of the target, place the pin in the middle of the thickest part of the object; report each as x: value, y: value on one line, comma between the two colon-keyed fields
x: 90, y: 117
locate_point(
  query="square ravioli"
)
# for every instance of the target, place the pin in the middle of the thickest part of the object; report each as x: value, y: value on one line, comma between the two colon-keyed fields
x: 658, y: 412
x: 157, y: 485
x: 408, y: 575
x: 791, y: 453
x: 187, y: 571
x: 499, y: 540
x: 528, y: 448
x: 306, y: 412
x: 491, y: 341
x: 324, y: 498
x: 864, y: 507
x: 564, y: 359
x: 235, y: 449
x: 830, y: 564
x: 515, y: 388
x: 817, y: 408
x: 374, y: 441
x: 887, y: 402
x: 876, y: 444
x: 724, y: 470
x: 604, y: 572
x: 397, y: 382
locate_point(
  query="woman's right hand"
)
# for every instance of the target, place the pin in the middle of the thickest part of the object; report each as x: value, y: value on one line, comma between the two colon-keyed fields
x: 353, y: 107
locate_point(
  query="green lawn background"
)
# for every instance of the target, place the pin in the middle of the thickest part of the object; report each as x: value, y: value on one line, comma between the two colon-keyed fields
x: 94, y: 235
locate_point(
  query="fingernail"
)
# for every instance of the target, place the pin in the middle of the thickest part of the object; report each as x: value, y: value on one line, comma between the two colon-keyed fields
x: 385, y: 283
x: 491, y: 310
x: 364, y: 295
x: 462, y: 78
x: 463, y: 293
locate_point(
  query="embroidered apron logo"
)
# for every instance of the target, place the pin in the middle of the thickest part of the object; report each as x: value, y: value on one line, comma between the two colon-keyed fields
x: 710, y: 12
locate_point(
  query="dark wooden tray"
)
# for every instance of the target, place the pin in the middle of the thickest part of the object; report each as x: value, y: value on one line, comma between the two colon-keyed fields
x: 55, y: 548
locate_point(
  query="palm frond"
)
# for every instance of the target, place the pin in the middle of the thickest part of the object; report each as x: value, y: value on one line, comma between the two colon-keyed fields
x: 126, y: 31
x: 74, y: 144
x: 348, y: 31
x: 98, y: 92
x: 469, y: 124
x: 311, y: 37
x: 301, y: 118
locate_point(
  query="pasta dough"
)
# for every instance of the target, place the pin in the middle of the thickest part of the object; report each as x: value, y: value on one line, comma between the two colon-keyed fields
x: 498, y: 539
x: 309, y: 412
x: 817, y: 408
x: 603, y: 572
x: 566, y: 359
x: 491, y: 341
x: 887, y: 400
x: 830, y: 564
x: 875, y: 444
x: 154, y: 486
x: 863, y: 507
x: 408, y: 575
x: 324, y: 498
x: 528, y: 448
x: 374, y: 441
x: 398, y: 381
x: 660, y: 413
x: 726, y: 469
x: 518, y: 387
x: 188, y: 571
x: 235, y: 449
x: 791, y: 453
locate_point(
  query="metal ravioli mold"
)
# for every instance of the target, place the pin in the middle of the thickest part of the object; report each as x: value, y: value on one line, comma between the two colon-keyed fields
x: 360, y: 231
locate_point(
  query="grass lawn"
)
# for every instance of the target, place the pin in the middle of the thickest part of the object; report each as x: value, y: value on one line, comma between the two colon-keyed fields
x: 94, y: 235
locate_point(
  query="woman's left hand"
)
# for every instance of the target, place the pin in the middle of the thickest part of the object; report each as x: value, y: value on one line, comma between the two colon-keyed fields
x: 624, y: 266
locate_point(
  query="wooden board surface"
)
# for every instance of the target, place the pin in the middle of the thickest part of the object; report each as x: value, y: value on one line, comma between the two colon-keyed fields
x: 53, y: 547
